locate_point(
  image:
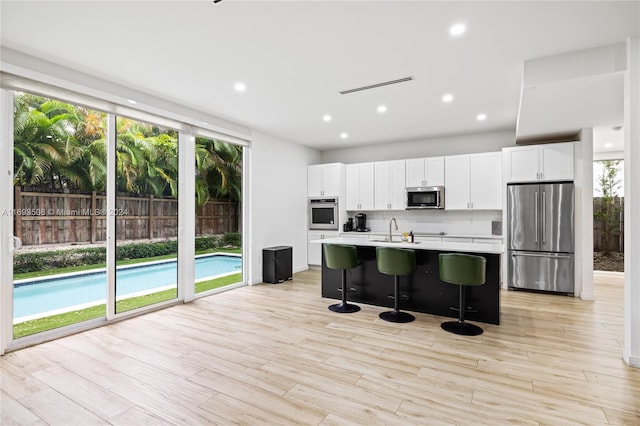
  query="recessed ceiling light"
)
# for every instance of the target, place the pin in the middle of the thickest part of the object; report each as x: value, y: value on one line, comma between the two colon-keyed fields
x: 382, y: 109
x: 131, y: 101
x: 240, y: 87
x: 344, y: 135
x: 447, y: 98
x: 457, y: 29
x: 326, y: 118
x: 608, y: 145
x: 481, y: 117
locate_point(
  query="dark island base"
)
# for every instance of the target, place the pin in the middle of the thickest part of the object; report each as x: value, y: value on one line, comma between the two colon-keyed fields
x: 424, y: 290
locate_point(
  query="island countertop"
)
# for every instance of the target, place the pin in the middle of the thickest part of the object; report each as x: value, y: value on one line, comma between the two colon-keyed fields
x: 422, y: 290
x: 442, y: 246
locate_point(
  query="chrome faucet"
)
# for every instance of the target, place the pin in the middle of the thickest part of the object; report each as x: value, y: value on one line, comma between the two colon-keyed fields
x: 393, y: 219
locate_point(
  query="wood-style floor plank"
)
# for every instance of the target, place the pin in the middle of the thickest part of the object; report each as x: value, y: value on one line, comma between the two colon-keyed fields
x: 274, y: 354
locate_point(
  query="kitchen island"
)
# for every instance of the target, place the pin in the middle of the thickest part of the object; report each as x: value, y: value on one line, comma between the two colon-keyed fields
x: 424, y: 290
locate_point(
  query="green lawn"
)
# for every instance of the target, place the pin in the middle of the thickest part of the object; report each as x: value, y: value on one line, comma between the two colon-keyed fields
x: 61, y: 320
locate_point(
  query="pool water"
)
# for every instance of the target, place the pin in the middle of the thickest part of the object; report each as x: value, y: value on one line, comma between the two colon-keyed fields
x: 32, y: 297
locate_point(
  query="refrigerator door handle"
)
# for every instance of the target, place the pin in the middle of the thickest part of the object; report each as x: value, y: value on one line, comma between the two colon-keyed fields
x: 553, y: 255
x: 535, y: 219
x: 544, y: 217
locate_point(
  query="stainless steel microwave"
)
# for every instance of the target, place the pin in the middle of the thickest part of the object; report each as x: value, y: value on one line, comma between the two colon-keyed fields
x: 323, y: 213
x: 429, y: 197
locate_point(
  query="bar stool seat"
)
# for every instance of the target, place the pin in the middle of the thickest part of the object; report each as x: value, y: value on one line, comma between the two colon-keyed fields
x: 396, y: 262
x: 462, y: 270
x: 340, y: 256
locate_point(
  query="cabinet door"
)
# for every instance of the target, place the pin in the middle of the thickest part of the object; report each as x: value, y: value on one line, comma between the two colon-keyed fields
x: 456, y: 189
x: 485, y: 181
x: 382, y: 182
x: 331, y: 180
x: 397, y: 185
x: 434, y: 171
x: 366, y: 186
x: 414, y: 172
x: 314, y: 250
x: 556, y: 161
x: 315, y: 179
x: 353, y: 186
x: 522, y: 164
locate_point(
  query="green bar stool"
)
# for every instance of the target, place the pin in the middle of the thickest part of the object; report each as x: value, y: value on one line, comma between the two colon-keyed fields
x: 396, y: 262
x: 338, y: 256
x: 462, y: 270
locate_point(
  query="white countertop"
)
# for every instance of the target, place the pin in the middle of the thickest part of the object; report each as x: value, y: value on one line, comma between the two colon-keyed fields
x: 426, y: 245
x: 426, y: 234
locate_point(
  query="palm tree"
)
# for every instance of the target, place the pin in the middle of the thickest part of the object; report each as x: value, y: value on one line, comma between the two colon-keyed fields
x: 219, y: 170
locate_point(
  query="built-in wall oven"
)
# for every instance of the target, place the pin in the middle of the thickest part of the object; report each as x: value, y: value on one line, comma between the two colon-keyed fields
x: 323, y: 213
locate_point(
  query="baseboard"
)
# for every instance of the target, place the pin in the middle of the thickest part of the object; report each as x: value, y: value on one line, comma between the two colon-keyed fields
x: 609, y: 273
x: 586, y: 296
x: 632, y: 361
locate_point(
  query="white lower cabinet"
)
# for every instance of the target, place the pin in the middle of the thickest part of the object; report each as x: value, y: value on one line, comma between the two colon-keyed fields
x: 457, y: 240
x: 314, y: 250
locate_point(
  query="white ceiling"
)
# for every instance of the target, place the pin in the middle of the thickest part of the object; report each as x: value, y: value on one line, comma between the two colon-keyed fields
x: 295, y: 56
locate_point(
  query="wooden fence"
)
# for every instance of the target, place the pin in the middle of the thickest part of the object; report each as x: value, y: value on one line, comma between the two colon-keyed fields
x: 617, y: 235
x: 58, y: 218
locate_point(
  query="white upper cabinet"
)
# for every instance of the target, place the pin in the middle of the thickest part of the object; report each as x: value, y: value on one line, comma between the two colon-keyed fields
x: 486, y: 181
x: 533, y: 163
x: 556, y: 161
x: 389, y: 182
x: 325, y: 180
x: 456, y: 190
x: 425, y: 172
x: 360, y: 181
x: 473, y: 182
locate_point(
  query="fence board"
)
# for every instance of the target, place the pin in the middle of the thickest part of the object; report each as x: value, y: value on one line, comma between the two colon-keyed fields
x: 57, y: 218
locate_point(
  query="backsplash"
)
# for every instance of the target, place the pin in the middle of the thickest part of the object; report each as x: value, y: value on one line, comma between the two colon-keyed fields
x: 451, y: 222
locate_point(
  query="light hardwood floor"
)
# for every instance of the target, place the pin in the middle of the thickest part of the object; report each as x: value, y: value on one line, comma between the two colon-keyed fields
x: 274, y: 354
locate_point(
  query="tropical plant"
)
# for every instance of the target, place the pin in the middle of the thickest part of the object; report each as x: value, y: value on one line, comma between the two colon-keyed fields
x: 59, y: 146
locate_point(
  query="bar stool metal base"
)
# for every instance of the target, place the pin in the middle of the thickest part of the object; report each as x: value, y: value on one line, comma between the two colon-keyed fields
x: 344, y: 308
x: 461, y: 328
x: 396, y: 316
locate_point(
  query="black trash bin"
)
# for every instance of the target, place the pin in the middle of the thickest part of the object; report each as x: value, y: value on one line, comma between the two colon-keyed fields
x: 277, y: 263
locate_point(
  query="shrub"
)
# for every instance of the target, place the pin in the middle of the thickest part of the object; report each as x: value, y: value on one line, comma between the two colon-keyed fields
x: 231, y: 239
x: 206, y: 243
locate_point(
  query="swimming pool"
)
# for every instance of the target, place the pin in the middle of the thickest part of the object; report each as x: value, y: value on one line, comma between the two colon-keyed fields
x: 33, y: 297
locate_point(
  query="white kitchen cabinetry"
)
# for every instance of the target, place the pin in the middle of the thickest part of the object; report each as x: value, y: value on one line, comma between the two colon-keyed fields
x: 457, y: 240
x: 360, y: 186
x: 488, y: 240
x: 533, y: 163
x: 389, y: 184
x: 473, y: 182
x: 425, y: 172
x: 325, y: 180
x: 314, y: 250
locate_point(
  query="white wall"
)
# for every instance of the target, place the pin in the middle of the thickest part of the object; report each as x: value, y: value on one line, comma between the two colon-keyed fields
x: 453, y: 145
x: 278, y: 203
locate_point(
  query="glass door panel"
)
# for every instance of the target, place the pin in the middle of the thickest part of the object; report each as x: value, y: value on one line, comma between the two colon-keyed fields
x: 59, y: 162
x: 218, y: 245
x: 146, y: 214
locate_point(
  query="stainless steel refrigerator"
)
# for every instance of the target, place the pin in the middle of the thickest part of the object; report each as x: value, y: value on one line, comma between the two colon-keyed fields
x: 540, y: 236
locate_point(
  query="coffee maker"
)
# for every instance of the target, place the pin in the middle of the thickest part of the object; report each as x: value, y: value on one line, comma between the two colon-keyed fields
x: 361, y: 222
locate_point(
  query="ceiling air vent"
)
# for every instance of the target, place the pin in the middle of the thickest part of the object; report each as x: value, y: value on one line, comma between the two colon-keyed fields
x: 373, y: 86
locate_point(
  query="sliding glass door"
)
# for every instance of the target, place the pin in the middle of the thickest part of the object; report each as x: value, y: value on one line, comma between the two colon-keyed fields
x: 59, y: 198
x: 146, y: 211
